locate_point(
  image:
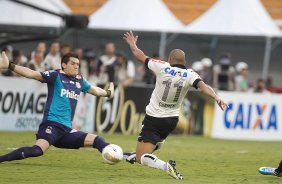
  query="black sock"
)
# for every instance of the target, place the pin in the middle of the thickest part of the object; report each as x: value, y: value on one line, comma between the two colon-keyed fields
x: 99, y: 143
x: 279, y: 168
x: 22, y: 153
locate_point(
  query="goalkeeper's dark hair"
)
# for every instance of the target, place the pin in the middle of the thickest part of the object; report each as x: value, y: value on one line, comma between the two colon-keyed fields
x: 66, y: 58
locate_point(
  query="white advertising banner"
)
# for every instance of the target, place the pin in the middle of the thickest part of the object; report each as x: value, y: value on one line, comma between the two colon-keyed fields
x: 22, y: 103
x: 250, y: 116
x: 84, y: 116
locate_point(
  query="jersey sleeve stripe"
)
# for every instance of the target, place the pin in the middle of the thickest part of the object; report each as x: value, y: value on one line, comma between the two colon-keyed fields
x: 147, y: 62
x: 195, y: 83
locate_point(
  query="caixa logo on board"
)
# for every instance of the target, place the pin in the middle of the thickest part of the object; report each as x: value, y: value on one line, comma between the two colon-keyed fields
x: 251, y: 116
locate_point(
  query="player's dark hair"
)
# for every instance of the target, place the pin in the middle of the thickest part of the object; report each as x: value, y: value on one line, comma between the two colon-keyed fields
x: 66, y: 58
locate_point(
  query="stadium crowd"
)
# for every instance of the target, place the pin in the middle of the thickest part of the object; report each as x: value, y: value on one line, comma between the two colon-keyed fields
x: 115, y: 66
x: 111, y: 66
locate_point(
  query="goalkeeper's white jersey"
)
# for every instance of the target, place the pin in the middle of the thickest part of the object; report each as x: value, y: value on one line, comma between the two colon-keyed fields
x: 172, y: 84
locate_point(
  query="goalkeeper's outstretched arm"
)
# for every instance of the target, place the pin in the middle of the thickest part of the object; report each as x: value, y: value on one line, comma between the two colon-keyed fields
x: 97, y: 91
x: 22, y: 71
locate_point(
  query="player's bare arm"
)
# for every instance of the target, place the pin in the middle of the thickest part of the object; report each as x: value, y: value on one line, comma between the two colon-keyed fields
x: 132, y: 41
x: 210, y: 92
x: 97, y: 91
x: 23, y: 71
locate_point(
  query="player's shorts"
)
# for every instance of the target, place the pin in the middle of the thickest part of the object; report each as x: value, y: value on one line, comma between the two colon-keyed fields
x: 61, y: 136
x: 156, y: 129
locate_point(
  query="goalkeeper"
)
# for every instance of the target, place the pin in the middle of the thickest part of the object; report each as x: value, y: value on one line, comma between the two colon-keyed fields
x: 64, y: 87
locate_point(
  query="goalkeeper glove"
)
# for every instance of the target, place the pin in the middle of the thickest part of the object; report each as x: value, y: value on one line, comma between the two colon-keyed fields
x: 110, y: 90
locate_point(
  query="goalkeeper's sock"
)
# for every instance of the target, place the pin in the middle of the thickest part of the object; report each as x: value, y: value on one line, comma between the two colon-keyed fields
x: 99, y: 143
x: 153, y: 161
x: 22, y: 153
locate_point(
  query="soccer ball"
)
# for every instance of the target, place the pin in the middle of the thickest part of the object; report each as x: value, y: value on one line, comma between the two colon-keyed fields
x: 112, y: 154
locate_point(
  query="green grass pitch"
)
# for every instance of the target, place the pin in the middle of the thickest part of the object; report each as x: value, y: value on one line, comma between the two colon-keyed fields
x: 200, y: 160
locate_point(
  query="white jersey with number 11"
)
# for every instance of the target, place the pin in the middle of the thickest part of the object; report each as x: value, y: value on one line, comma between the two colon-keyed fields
x: 172, y: 84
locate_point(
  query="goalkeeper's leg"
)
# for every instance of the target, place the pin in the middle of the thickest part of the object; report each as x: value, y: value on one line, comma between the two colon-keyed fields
x: 22, y: 153
x: 38, y: 149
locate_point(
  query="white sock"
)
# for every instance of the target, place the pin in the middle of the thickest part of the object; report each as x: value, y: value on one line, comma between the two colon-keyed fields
x: 153, y: 161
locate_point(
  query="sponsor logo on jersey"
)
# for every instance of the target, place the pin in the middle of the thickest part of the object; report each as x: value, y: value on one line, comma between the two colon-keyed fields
x: 46, y: 73
x: 69, y: 94
x: 173, y: 72
x: 166, y: 105
x: 78, y: 85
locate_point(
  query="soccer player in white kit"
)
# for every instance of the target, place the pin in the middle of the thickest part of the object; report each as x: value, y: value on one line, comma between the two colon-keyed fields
x: 173, y: 81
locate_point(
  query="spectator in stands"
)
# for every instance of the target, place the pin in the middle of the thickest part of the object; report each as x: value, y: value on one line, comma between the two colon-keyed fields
x: 41, y: 47
x: 260, y: 87
x: 24, y: 60
x: 53, y: 58
x: 83, y: 63
x: 97, y: 75
x: 108, y: 60
x: 207, y: 71
x: 241, y: 82
x: 65, y: 49
x: 270, y: 87
x: 224, y: 74
x: 37, y: 63
x: 269, y: 84
x: 124, y: 70
x: 198, y: 67
x: 92, y: 70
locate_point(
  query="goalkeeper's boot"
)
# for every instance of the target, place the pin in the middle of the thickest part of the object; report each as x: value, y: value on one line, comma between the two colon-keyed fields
x: 171, y: 170
x: 130, y: 157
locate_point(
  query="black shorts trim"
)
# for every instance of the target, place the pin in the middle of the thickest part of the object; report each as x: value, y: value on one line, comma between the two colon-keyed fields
x: 195, y: 83
x: 147, y: 62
